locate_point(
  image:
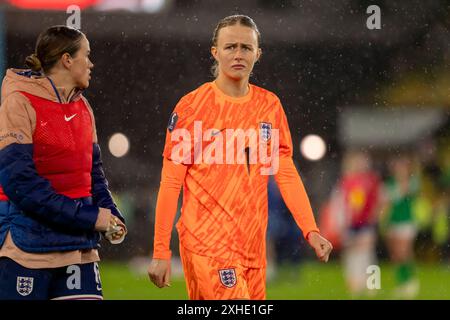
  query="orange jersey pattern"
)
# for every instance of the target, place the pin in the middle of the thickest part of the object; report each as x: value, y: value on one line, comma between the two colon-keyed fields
x: 225, y: 210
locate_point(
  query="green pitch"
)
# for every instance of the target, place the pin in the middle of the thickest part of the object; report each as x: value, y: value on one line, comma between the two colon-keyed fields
x: 306, y: 281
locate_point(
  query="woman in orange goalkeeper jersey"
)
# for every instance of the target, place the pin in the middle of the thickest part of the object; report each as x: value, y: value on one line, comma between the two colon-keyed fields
x: 223, y: 141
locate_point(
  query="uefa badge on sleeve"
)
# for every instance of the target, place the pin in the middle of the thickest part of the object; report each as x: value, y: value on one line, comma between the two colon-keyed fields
x: 172, y: 121
x: 228, y: 277
x: 24, y: 285
x: 265, y: 131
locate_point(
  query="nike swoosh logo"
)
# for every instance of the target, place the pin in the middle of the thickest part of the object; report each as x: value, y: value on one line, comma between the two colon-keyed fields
x: 69, y: 118
x: 216, y: 132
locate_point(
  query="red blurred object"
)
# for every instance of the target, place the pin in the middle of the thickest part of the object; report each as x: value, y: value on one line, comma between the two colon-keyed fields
x: 52, y: 4
x: 329, y: 226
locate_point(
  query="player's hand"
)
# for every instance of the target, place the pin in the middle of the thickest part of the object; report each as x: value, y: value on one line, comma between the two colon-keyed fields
x: 159, y: 272
x: 321, y: 245
x: 116, y: 231
x: 104, y: 220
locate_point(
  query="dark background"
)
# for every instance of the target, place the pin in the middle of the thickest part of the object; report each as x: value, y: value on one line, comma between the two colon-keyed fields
x: 318, y: 57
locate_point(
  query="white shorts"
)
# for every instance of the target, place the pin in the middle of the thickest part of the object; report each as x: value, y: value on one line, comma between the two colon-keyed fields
x: 403, y: 230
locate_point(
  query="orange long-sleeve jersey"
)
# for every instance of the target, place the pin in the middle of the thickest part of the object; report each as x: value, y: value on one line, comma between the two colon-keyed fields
x: 221, y: 150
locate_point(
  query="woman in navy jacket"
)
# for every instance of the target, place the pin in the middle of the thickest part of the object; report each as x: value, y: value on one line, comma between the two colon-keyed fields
x: 54, y: 197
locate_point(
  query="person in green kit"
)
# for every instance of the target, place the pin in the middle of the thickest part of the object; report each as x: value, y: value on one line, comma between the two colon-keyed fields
x: 401, y: 190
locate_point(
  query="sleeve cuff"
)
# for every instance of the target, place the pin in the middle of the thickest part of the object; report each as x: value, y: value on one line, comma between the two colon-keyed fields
x: 115, y: 211
x: 166, y: 255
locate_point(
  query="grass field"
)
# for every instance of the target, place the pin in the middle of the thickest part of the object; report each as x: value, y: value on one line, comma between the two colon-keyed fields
x: 307, y: 281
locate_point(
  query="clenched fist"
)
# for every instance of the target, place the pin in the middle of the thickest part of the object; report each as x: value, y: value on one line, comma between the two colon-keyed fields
x: 321, y: 245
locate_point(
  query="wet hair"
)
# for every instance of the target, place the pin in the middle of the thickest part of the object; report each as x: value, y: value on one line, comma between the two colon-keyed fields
x: 51, y: 45
x: 240, y: 19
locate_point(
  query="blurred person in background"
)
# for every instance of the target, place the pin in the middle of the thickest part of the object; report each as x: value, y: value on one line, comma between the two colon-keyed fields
x: 283, y: 236
x: 401, y: 190
x: 222, y: 228
x: 431, y: 205
x: 355, y: 205
x: 444, y: 201
x: 54, y: 197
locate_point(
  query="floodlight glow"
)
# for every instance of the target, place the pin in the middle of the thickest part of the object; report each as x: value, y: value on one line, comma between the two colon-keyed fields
x: 119, y: 145
x: 313, y: 147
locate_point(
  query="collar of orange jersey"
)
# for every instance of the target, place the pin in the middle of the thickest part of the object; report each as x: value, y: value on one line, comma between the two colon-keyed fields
x: 226, y: 97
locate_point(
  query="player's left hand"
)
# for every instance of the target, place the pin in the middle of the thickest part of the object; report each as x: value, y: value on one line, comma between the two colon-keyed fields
x: 321, y: 245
